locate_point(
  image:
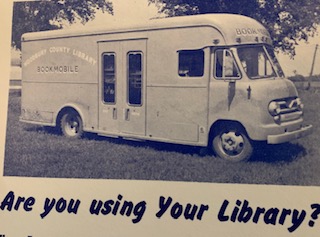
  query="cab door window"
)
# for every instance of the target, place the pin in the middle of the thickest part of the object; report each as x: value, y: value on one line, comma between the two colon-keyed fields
x: 225, y: 66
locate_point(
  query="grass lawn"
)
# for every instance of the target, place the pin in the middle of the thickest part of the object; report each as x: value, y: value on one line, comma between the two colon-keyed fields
x: 34, y: 151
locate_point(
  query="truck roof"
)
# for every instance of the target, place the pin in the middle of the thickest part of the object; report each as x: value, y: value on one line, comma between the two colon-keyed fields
x: 235, y: 29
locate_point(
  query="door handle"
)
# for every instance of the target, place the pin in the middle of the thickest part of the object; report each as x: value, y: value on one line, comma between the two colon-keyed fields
x: 114, y: 113
x: 127, y: 114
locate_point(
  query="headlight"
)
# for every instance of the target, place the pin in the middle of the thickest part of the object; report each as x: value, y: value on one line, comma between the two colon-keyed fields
x: 274, y: 108
x: 300, y: 104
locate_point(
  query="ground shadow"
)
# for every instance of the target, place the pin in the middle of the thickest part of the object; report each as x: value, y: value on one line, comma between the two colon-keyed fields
x: 159, y: 146
x: 263, y: 152
x: 286, y: 152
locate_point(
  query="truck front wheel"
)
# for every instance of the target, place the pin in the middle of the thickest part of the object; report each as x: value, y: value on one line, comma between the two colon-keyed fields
x: 232, y: 143
x: 71, y: 125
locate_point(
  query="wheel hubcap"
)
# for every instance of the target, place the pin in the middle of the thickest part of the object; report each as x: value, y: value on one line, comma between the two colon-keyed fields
x: 73, y: 126
x: 232, y: 143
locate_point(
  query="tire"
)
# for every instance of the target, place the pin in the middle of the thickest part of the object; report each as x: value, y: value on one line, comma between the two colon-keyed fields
x: 71, y: 125
x: 232, y: 143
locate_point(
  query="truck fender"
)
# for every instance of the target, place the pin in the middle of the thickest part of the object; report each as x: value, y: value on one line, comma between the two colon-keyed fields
x: 247, y: 127
x: 80, y: 109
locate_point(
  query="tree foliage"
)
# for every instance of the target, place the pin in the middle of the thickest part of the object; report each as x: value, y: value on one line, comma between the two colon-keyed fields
x: 288, y: 21
x: 34, y: 16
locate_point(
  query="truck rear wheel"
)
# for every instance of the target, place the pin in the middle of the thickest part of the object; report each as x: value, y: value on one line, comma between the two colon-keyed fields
x: 232, y: 143
x: 71, y: 125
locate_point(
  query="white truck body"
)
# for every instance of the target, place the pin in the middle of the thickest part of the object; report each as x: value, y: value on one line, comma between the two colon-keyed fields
x: 174, y: 80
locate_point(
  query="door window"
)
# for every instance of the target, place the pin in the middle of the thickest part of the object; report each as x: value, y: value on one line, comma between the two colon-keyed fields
x: 225, y: 65
x: 109, y: 78
x: 135, y: 78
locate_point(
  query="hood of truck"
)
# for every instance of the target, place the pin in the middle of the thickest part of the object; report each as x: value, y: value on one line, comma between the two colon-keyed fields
x: 271, y: 89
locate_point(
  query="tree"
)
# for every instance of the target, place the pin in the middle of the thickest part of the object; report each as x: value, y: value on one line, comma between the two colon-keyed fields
x: 288, y: 21
x: 34, y: 16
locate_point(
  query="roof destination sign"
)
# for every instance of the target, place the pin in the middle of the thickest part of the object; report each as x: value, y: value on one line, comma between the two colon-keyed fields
x: 251, y: 31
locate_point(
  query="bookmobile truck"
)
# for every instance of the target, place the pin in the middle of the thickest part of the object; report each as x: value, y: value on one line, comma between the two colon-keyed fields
x: 208, y: 80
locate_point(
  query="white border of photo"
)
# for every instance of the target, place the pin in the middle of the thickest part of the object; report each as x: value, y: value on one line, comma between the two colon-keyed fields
x: 226, y: 207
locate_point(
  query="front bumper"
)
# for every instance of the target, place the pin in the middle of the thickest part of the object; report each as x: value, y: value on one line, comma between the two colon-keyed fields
x: 289, y: 136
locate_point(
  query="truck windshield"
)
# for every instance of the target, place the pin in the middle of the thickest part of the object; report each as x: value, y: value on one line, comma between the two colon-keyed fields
x: 256, y: 62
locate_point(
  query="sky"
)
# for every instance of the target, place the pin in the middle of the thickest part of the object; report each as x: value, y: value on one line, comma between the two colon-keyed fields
x: 140, y: 10
x: 302, y: 62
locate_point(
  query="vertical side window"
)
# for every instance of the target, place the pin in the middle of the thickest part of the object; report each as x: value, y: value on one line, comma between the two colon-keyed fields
x: 135, y: 78
x: 109, y: 78
x: 225, y: 66
x: 191, y: 63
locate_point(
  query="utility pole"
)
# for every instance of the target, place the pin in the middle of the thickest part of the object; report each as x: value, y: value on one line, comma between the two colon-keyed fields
x: 312, y: 66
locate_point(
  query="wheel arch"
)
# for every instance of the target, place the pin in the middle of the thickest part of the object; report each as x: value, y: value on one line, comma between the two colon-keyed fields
x: 70, y: 107
x: 220, y: 123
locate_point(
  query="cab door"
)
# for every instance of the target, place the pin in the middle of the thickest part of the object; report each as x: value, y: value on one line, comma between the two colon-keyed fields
x: 225, y: 75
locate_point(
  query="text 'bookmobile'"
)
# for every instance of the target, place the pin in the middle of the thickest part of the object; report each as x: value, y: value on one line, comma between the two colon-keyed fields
x: 206, y: 80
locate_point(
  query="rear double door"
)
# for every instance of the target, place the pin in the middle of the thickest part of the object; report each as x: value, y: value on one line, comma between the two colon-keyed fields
x: 122, y: 75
